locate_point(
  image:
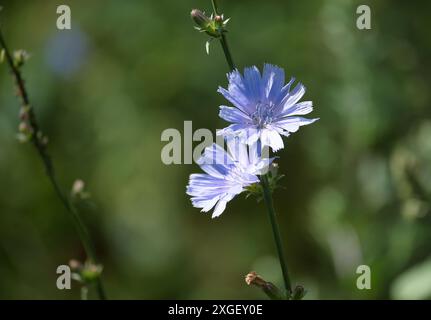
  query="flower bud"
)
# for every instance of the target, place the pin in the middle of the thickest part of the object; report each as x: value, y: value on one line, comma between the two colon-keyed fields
x: 78, y: 190
x: 78, y: 187
x: 75, y: 265
x: 91, y: 272
x: 24, y: 113
x: 269, y: 288
x: 218, y: 19
x: 200, y: 18
x: 298, y: 293
x: 85, y: 273
x: 205, y: 24
x: 20, y: 57
x: 24, y: 127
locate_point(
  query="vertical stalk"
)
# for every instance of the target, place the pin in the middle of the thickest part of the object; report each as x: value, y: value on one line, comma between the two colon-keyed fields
x: 49, y: 168
x: 223, y: 41
x: 226, y: 51
x: 276, y: 232
x: 215, y: 6
x: 265, y: 185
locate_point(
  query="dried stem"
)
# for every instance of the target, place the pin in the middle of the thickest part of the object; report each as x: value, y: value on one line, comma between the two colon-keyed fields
x: 40, y: 145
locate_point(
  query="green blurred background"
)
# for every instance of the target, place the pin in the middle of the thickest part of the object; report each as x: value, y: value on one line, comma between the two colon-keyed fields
x: 358, y: 182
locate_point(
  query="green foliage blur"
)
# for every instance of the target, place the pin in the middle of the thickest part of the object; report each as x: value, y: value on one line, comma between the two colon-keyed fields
x: 357, y: 183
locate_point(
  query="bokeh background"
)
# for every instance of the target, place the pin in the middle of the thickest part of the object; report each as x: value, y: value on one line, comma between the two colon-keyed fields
x: 357, y: 183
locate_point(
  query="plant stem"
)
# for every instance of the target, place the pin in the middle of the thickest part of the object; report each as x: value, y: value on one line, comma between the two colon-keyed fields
x: 47, y: 162
x: 265, y: 185
x: 276, y: 231
x: 223, y: 41
x: 226, y: 50
x: 215, y: 6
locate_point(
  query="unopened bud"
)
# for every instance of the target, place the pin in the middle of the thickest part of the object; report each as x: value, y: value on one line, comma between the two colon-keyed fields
x: 273, y: 169
x: 24, y: 127
x: 254, y: 278
x: 23, y: 113
x: 78, y: 190
x: 75, y: 265
x: 298, y: 293
x: 20, y: 57
x: 269, y: 288
x: 91, y: 272
x: 78, y: 187
x: 200, y: 18
x: 218, y: 19
x: 206, y: 24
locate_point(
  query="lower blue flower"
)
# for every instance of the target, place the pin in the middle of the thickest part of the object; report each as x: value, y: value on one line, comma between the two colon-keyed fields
x: 227, y: 175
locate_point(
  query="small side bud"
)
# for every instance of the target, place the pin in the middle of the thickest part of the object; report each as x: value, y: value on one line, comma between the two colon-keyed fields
x: 20, y: 57
x: 91, y: 272
x: 75, y: 265
x: 253, y: 278
x: 24, y: 127
x: 78, y: 190
x: 213, y: 26
x: 218, y: 19
x: 273, y: 169
x: 85, y: 273
x: 274, y: 177
x: 78, y: 187
x: 298, y: 293
x: 200, y: 18
x: 25, y: 132
x: 24, y: 113
x: 267, y: 287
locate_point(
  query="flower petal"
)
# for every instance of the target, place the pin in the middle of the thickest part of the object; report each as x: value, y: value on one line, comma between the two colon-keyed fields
x: 273, y: 81
x: 292, y: 124
x: 293, y: 97
x: 298, y: 109
x: 252, y: 81
x: 207, y: 205
x: 237, y: 93
x: 219, y: 208
x: 215, y: 154
x: 272, y: 138
x: 238, y: 150
x: 233, y: 115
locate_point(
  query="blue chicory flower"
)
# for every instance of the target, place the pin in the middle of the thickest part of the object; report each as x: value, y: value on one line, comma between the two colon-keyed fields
x: 264, y: 107
x: 227, y: 174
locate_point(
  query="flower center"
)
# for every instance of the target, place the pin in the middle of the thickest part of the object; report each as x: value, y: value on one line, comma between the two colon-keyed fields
x: 263, y: 114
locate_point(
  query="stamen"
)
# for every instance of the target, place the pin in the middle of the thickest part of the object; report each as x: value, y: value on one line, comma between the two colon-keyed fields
x: 263, y: 114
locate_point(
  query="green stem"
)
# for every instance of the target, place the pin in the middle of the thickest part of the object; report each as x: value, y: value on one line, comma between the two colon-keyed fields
x: 226, y: 50
x: 215, y: 7
x: 49, y: 168
x: 265, y: 185
x: 276, y: 231
x: 84, y: 293
x: 223, y: 41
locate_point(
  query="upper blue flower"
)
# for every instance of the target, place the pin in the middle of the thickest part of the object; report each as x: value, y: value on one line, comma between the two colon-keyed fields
x: 226, y: 175
x: 265, y: 108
